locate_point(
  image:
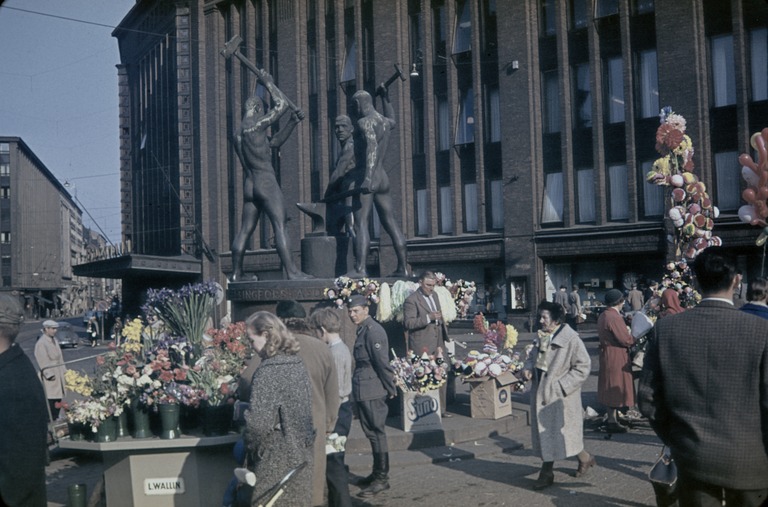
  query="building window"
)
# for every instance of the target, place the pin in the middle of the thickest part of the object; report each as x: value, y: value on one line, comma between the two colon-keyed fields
x: 312, y: 69
x: 465, y: 124
x: 579, y: 15
x: 443, y: 129
x: 617, y: 179
x: 440, y: 30
x: 644, y: 6
x: 470, y: 207
x: 350, y: 62
x: 585, y: 183
x: 607, y: 7
x: 5, y: 169
x: 759, y: 63
x: 615, y: 90
x: 494, y: 116
x: 5, y: 192
x: 5, y: 237
x: 582, y: 96
x: 649, y: 84
x: 497, y: 204
x: 653, y: 195
x: 723, y: 78
x: 551, y: 102
x: 5, y: 148
x: 422, y: 224
x: 552, y: 207
x: 727, y: 174
x: 446, y: 210
x: 548, y: 17
x: 417, y: 129
x: 462, y: 40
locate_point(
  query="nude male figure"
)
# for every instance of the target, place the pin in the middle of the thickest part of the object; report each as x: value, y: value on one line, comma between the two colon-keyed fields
x: 373, y: 182
x: 262, y: 192
x: 342, y: 177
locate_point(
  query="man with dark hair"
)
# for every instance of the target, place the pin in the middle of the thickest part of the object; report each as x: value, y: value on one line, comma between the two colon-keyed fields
x: 704, y: 389
x: 23, y: 417
x: 372, y: 383
x: 561, y: 298
x: 757, y: 295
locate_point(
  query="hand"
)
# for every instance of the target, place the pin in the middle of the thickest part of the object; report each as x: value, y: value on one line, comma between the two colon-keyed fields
x: 527, y: 374
x: 382, y: 91
x: 298, y: 115
x: 435, y: 316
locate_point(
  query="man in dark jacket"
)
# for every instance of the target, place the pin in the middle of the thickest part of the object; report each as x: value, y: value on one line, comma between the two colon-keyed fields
x: 372, y: 383
x: 704, y: 389
x: 23, y: 417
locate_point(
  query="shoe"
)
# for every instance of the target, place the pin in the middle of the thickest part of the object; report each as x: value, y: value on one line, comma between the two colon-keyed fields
x: 545, y: 480
x: 361, y: 481
x: 377, y: 486
x: 613, y: 427
x: 584, y: 466
x: 446, y: 415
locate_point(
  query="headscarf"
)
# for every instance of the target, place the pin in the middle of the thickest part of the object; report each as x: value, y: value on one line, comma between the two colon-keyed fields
x: 670, y: 303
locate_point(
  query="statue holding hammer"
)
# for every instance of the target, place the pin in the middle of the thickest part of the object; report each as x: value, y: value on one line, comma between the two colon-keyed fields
x: 262, y: 193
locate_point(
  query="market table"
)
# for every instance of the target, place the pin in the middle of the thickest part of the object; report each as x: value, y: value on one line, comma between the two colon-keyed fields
x: 190, y: 471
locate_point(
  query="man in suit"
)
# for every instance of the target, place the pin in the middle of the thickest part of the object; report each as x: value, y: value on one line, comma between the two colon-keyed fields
x: 424, y: 324
x: 372, y: 383
x: 704, y: 389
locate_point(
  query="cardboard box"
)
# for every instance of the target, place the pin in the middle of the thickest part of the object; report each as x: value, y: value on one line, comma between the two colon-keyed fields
x: 491, y: 398
x: 420, y: 411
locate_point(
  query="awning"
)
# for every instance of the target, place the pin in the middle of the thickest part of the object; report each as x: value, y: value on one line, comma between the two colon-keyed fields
x: 140, y: 265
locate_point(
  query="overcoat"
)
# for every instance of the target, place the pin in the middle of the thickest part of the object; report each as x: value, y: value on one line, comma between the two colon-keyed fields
x: 615, y: 386
x: 23, y: 439
x: 557, y: 419
x: 704, y: 389
x: 324, y: 383
x: 279, y: 432
x: 47, y: 354
x: 373, y: 377
x: 422, y: 334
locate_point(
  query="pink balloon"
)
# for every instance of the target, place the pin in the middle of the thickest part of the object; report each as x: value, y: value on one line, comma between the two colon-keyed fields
x: 749, y: 195
x: 746, y: 161
x: 762, y: 193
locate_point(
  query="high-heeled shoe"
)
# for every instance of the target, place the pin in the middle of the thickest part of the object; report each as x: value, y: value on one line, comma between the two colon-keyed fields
x: 584, y: 466
x: 545, y: 480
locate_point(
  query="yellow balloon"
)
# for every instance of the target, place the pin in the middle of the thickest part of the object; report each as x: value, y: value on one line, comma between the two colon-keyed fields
x: 753, y: 140
x: 761, y: 239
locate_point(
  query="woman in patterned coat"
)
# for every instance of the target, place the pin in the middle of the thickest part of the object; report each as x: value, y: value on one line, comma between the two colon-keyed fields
x: 279, y: 432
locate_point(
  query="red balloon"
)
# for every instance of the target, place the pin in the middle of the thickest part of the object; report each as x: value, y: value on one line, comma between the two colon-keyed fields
x: 749, y: 195
x: 747, y: 161
x: 762, y: 193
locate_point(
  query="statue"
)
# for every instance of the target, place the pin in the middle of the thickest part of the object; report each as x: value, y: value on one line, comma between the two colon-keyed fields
x: 262, y: 193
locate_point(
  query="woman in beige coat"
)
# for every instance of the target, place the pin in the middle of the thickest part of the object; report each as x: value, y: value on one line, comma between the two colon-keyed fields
x: 558, y: 365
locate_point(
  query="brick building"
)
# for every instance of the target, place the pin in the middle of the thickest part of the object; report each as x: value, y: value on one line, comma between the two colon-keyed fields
x: 525, y: 128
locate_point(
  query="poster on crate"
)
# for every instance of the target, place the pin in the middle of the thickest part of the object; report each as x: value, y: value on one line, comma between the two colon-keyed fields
x: 420, y: 411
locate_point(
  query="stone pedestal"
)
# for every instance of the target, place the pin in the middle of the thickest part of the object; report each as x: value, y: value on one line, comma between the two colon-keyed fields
x: 318, y: 256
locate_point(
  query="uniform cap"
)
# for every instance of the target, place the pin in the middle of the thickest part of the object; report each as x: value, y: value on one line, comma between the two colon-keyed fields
x: 357, y: 300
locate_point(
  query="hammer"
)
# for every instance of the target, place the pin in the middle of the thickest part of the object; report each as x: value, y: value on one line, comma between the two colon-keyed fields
x: 398, y: 74
x: 232, y: 48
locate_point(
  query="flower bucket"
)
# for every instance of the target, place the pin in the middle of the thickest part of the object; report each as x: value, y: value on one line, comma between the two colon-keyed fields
x: 107, y: 430
x: 216, y: 419
x: 122, y: 425
x: 169, y: 421
x: 140, y: 420
x: 78, y: 431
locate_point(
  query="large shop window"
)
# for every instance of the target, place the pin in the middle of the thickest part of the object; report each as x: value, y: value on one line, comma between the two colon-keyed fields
x: 615, y: 90
x: 723, y: 79
x: 552, y: 206
x: 758, y: 40
x: 728, y: 174
x: 585, y: 182
x: 551, y: 102
x: 617, y: 178
x: 653, y: 195
x: 649, y: 84
x: 446, y: 210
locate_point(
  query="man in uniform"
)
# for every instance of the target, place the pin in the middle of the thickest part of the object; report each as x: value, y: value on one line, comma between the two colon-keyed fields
x: 423, y: 320
x: 372, y: 383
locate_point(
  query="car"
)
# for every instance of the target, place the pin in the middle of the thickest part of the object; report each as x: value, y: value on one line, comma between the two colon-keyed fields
x: 66, y: 336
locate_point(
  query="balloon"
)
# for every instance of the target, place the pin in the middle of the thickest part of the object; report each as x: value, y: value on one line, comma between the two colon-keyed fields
x: 753, y: 140
x: 749, y: 195
x: 747, y: 161
x: 761, y: 239
x: 750, y: 175
x: 747, y: 213
x: 762, y: 193
x: 677, y: 180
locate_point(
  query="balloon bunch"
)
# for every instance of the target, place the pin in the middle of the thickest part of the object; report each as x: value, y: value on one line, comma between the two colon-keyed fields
x: 755, y: 211
x: 692, y: 212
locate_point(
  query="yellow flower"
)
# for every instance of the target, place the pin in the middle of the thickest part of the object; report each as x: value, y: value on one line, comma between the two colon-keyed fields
x: 511, y: 338
x: 661, y: 166
x: 77, y: 383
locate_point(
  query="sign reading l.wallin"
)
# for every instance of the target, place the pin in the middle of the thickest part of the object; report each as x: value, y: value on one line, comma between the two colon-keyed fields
x: 164, y: 486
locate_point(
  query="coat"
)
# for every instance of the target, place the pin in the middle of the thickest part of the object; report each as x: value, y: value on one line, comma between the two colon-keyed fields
x: 279, y: 432
x: 574, y: 303
x: 557, y: 418
x: 47, y: 354
x: 324, y: 383
x: 24, y: 435
x: 704, y: 389
x: 615, y: 385
x: 373, y: 377
x: 422, y: 334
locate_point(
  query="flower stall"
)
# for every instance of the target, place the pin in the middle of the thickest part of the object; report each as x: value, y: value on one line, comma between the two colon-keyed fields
x: 419, y: 378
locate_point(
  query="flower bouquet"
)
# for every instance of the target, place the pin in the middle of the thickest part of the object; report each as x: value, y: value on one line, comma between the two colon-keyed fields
x: 344, y: 287
x: 462, y: 291
x: 216, y: 372
x: 420, y: 373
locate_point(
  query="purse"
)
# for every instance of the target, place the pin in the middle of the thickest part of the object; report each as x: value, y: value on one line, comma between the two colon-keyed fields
x: 664, y: 471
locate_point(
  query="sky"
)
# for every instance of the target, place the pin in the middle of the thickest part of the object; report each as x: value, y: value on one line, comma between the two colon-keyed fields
x: 58, y: 92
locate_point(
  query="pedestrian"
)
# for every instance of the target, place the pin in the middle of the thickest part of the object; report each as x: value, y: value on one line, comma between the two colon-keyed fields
x: 23, y: 417
x: 50, y: 360
x: 757, y: 295
x: 635, y: 299
x: 327, y: 326
x: 574, y: 308
x: 117, y: 331
x: 279, y: 433
x: 670, y: 303
x: 703, y: 389
x: 372, y: 383
x: 92, y: 329
x: 558, y: 365
x: 324, y: 385
x: 425, y: 326
x: 561, y: 297
x: 615, y: 385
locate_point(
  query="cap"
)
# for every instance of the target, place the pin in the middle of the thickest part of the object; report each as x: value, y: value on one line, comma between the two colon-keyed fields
x: 50, y: 323
x: 290, y: 309
x: 10, y: 310
x: 357, y: 300
x: 612, y: 297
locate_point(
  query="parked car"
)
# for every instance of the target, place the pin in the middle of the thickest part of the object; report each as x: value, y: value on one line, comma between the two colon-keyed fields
x: 66, y: 336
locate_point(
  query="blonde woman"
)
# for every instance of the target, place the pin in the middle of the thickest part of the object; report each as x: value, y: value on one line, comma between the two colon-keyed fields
x: 279, y: 432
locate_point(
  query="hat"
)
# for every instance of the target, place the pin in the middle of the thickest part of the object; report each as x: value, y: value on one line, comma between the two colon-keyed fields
x: 10, y: 310
x: 612, y: 297
x: 50, y: 323
x: 290, y: 309
x: 357, y: 300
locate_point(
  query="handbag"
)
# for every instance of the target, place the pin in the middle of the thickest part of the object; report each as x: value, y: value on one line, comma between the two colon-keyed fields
x: 664, y: 471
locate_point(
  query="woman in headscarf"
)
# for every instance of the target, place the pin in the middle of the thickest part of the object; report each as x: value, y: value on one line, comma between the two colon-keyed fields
x: 670, y: 303
x: 279, y: 433
x: 559, y: 365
